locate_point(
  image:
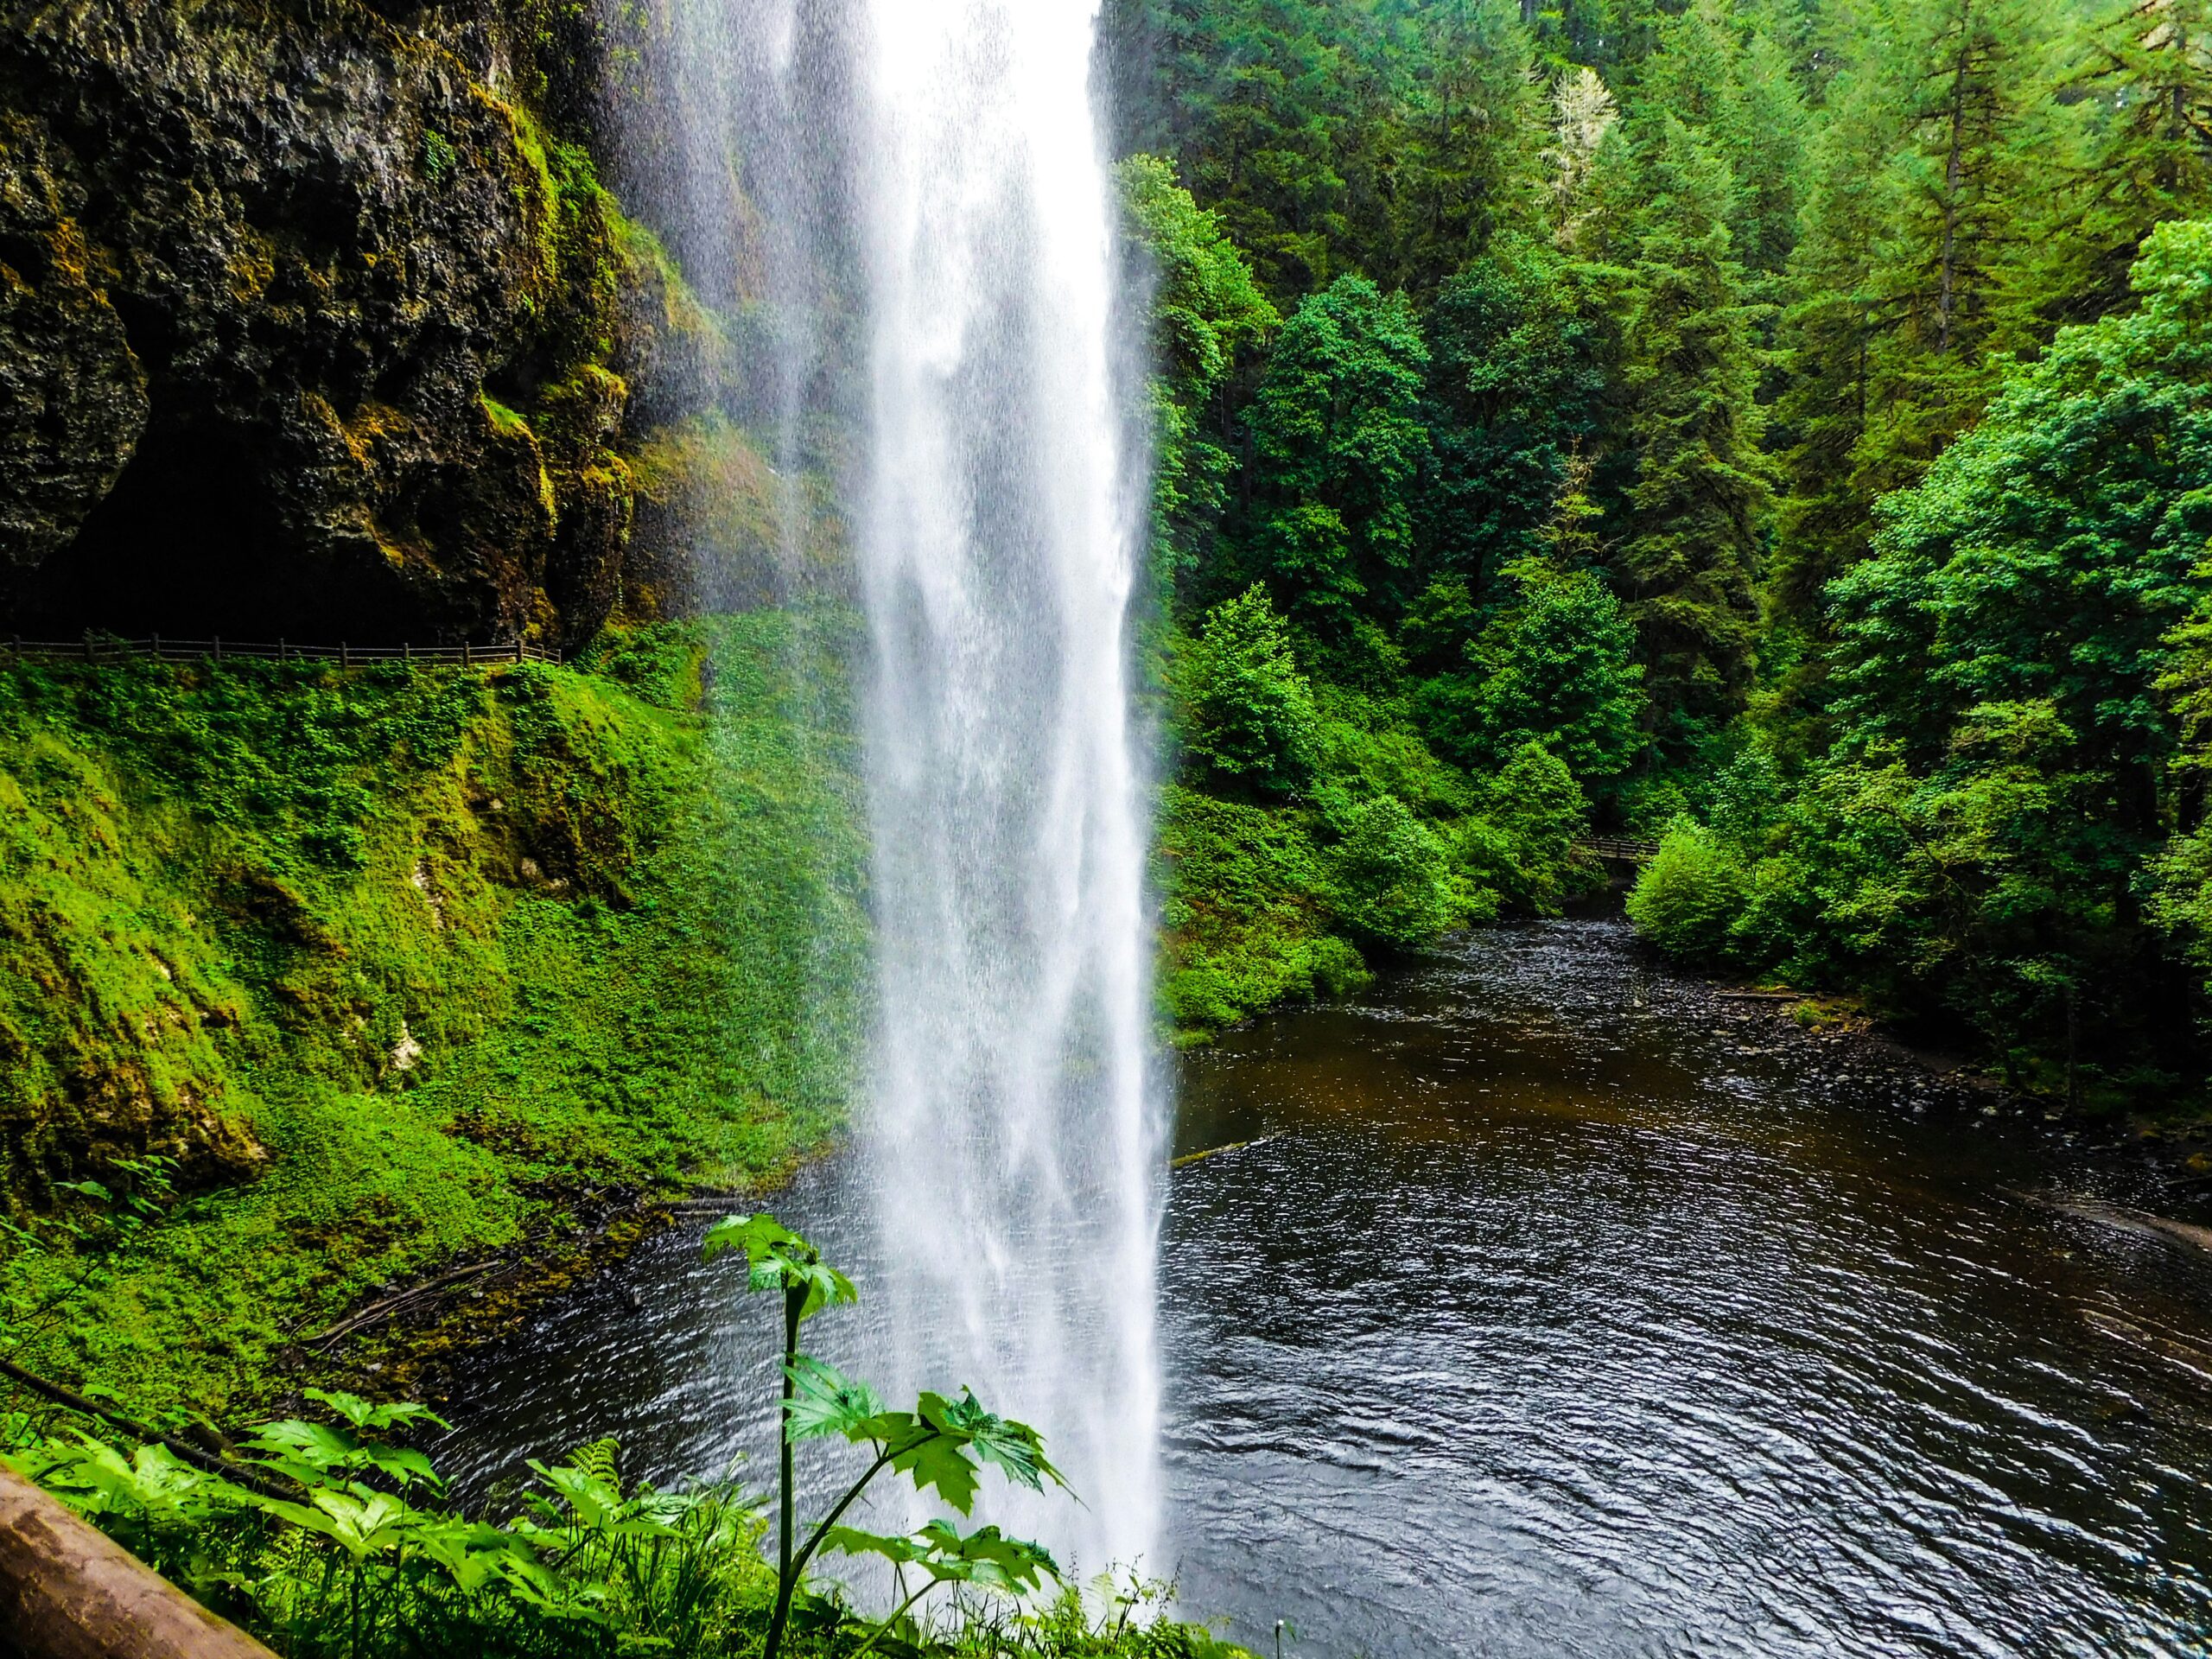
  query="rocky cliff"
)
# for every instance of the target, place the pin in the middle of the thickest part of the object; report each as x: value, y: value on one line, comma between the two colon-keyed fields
x: 314, y: 320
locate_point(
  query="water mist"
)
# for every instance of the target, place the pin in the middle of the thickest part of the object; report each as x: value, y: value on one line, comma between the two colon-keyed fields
x: 1012, y: 1134
x: 905, y: 203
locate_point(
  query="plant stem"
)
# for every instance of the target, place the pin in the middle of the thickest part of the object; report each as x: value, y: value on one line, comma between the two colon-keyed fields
x: 897, y: 1613
x: 821, y: 1529
x: 787, y: 1497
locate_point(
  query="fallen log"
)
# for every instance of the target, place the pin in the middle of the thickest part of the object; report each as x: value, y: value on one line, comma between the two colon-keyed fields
x: 1190, y: 1157
x: 69, y: 1592
x: 376, y: 1313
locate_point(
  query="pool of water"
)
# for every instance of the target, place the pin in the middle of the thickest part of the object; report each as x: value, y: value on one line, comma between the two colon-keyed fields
x: 1550, y: 1305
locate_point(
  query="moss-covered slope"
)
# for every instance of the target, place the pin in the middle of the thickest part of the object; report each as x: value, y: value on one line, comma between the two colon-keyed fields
x: 397, y: 963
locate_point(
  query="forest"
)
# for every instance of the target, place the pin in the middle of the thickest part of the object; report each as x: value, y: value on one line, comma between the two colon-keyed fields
x: 1782, y: 430
x: 1774, y: 437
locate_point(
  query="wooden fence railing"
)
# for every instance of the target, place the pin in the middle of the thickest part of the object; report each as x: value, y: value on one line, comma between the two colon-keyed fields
x: 109, y: 648
x: 1619, y: 848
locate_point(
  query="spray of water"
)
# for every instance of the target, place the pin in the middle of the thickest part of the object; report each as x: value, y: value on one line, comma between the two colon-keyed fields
x: 904, y: 203
x: 1013, y: 1138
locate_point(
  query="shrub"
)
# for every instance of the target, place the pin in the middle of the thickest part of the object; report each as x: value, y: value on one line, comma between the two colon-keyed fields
x: 1247, y: 713
x: 1688, y: 897
x: 1522, y: 847
x: 1393, y: 878
x: 1555, y: 664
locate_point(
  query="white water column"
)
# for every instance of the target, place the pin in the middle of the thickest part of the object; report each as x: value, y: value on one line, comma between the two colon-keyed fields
x: 1014, y: 1135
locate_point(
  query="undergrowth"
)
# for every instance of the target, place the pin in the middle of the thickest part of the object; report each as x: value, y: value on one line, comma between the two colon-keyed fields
x: 397, y: 964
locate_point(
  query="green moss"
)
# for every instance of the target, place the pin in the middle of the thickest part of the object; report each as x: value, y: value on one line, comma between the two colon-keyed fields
x: 1249, y: 917
x: 404, y: 961
x: 505, y: 419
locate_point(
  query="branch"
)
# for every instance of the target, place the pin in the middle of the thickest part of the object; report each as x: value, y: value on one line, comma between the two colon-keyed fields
x: 822, y: 1530
x: 206, y: 1461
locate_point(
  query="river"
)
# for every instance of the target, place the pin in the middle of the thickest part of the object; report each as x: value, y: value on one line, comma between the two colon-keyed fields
x: 1552, y: 1306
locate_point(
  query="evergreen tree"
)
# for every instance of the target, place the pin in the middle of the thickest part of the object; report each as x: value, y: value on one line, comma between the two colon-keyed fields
x: 1829, y: 339
x: 1583, y: 116
x: 1247, y: 712
x: 2143, y: 73
x: 1456, y: 153
x: 1339, y: 441
x: 1248, y: 97
x: 1766, y: 132
x: 1968, y: 76
x: 1697, y: 512
x: 1737, y: 95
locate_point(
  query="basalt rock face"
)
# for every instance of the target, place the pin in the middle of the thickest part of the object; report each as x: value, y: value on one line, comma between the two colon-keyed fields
x: 310, y: 325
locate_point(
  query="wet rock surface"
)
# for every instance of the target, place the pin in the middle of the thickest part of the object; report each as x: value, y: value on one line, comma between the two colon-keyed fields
x: 311, y: 323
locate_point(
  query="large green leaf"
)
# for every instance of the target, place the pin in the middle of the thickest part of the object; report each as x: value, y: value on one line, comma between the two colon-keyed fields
x: 363, y: 1414
x: 1016, y: 1448
x: 826, y: 1402
x: 985, y: 1557
x: 311, y: 1453
x: 778, y: 1259
x: 930, y: 1456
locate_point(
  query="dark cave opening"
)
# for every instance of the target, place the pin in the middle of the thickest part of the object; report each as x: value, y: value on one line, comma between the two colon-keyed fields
x: 189, y: 543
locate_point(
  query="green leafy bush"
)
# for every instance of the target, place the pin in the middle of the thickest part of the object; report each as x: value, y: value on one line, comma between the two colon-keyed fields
x: 1393, y: 878
x: 1554, y: 665
x: 1247, y: 713
x: 1687, y: 899
x: 1521, y: 846
x: 1247, y: 913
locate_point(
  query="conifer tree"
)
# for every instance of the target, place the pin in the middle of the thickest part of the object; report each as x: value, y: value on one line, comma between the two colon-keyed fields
x: 1461, y: 143
x: 2144, y: 72
x: 1583, y: 115
x: 1827, y: 348
x: 1737, y: 95
x: 1248, y: 97
x: 1700, y: 504
x: 1968, y: 77
x: 1765, y: 130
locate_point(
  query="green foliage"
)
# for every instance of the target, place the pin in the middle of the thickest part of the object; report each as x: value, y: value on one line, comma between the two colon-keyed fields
x: 1520, y: 845
x: 592, y: 934
x: 364, y: 1558
x: 1337, y: 426
x: 1697, y: 512
x: 1553, y: 667
x: 778, y: 1259
x: 334, y: 1539
x: 1246, y: 713
x: 1755, y: 268
x: 2015, y: 692
x: 1207, y: 314
x: 942, y: 1445
x: 1392, y: 875
x: 1247, y: 919
x: 2143, y: 73
x: 1523, y: 375
x: 1688, y: 898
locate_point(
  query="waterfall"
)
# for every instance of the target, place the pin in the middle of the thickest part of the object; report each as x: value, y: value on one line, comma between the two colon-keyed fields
x: 1012, y: 1136
x: 903, y: 204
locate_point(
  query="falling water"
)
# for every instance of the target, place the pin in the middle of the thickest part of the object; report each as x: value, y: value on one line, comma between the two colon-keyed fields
x: 1012, y: 1138
x: 902, y: 206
